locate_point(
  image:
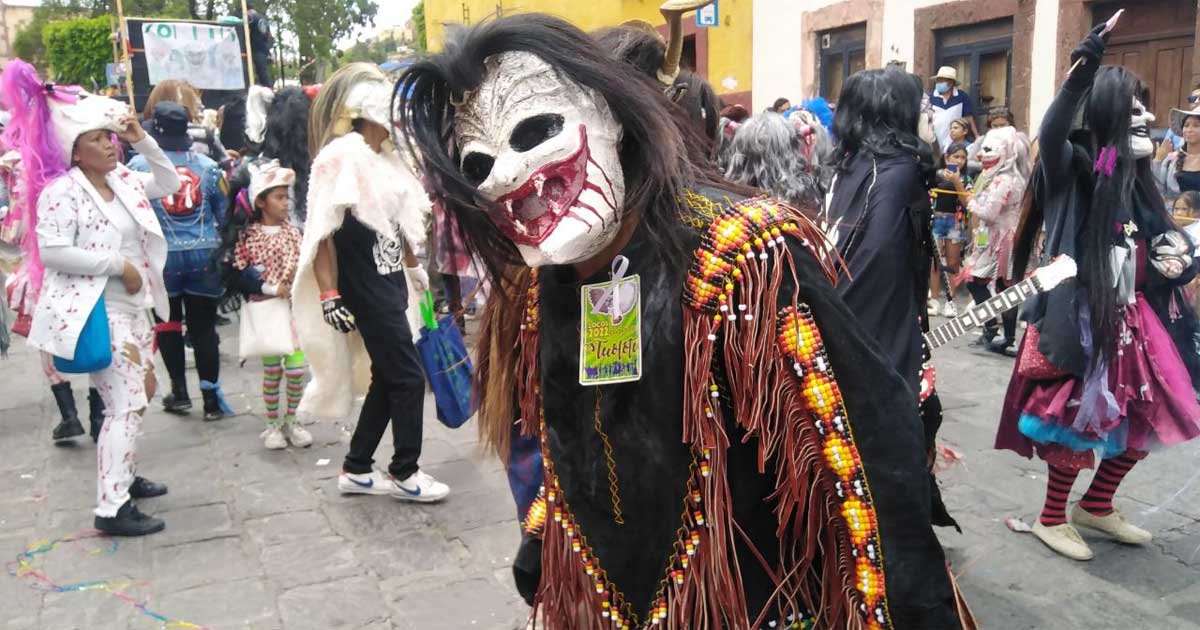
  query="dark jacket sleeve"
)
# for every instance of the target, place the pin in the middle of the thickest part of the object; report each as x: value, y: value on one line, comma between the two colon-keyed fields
x: 248, y: 281
x: 1053, y: 137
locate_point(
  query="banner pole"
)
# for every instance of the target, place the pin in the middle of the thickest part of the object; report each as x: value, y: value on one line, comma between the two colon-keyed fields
x: 249, y: 52
x: 126, y: 60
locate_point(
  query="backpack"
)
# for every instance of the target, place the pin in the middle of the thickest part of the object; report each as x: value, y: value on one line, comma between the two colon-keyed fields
x: 187, y: 200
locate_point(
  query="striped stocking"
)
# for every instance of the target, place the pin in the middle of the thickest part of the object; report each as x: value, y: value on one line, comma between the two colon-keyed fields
x: 295, y: 389
x: 272, y: 375
x: 1058, y: 489
x: 1099, y: 497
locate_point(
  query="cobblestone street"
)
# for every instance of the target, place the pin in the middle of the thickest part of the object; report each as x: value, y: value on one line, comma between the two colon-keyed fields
x: 261, y: 539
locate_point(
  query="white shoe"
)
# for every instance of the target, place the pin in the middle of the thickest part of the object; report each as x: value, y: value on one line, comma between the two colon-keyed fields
x: 297, y: 435
x: 421, y: 488
x: 933, y: 306
x: 273, y: 438
x: 374, y: 482
x: 1114, y: 525
x: 949, y: 310
x: 1064, y: 539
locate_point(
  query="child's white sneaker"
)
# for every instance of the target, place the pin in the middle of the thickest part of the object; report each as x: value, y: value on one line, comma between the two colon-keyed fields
x: 421, y: 488
x: 297, y: 435
x: 273, y: 438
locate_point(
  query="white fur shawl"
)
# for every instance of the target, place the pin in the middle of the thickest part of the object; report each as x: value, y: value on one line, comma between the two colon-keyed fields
x: 381, y: 191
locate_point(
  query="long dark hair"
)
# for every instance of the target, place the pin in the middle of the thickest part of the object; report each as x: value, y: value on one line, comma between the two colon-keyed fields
x: 286, y: 140
x: 240, y: 213
x: 653, y: 153
x: 878, y: 112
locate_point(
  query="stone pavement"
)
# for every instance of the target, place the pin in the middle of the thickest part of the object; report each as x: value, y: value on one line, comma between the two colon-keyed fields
x: 262, y: 540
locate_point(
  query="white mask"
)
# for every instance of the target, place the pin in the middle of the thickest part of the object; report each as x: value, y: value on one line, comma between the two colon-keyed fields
x: 1140, y: 144
x: 545, y: 149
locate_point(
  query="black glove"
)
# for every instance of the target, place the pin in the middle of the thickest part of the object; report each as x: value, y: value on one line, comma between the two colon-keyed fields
x: 338, y: 316
x: 1091, y: 51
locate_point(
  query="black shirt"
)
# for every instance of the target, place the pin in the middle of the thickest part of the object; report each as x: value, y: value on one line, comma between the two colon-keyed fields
x: 370, y: 268
x: 1188, y: 180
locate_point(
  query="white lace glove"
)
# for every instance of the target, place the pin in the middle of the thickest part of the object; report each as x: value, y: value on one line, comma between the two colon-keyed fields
x: 1170, y: 254
x: 418, y: 279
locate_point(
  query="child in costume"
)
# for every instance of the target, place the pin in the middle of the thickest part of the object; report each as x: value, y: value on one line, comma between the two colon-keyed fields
x: 262, y: 248
x: 1106, y: 367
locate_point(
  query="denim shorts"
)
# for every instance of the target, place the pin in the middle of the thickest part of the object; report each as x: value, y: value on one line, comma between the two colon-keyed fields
x: 192, y: 272
x: 945, y: 227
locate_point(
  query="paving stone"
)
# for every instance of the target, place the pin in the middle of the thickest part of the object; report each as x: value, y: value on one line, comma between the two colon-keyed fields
x: 193, y: 523
x: 192, y: 564
x: 418, y: 555
x: 477, y: 603
x: 310, y: 561
x: 350, y: 603
x: 376, y: 518
x: 274, y: 496
x: 471, y: 510
x: 287, y: 527
x: 246, y: 604
x: 86, y: 609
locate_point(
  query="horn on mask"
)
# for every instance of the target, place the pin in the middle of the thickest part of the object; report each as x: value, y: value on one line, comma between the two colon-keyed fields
x: 673, y: 11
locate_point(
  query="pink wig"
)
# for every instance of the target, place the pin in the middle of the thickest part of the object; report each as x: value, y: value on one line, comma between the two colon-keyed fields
x: 30, y: 132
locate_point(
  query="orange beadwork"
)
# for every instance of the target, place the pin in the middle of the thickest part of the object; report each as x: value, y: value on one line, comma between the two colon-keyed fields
x: 801, y: 340
x: 535, y: 518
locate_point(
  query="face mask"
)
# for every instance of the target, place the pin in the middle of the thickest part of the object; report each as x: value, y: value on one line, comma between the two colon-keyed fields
x: 1140, y: 144
x: 544, y: 149
x: 942, y: 87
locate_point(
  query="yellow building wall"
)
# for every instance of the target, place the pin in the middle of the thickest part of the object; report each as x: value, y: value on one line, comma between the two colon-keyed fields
x: 730, y: 49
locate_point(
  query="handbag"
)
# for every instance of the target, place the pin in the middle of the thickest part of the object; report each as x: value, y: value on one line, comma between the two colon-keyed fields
x: 1034, y: 365
x: 447, y: 366
x: 93, y: 349
x: 265, y: 329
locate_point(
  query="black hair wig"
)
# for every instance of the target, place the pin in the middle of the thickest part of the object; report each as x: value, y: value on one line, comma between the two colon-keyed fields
x: 233, y: 124
x: 878, y: 112
x: 286, y: 140
x: 654, y: 156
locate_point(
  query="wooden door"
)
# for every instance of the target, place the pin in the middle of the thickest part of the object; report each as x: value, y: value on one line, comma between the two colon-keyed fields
x: 1156, y: 41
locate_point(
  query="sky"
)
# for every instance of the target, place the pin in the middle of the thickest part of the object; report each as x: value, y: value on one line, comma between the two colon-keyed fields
x: 391, y: 13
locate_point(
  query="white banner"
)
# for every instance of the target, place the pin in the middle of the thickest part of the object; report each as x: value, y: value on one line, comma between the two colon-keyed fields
x: 205, y: 55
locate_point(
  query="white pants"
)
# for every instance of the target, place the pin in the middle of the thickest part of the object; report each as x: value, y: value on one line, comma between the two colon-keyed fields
x: 122, y: 387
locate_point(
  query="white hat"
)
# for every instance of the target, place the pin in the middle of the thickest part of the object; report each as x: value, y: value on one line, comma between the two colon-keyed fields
x: 947, y: 72
x: 88, y: 113
x: 267, y: 175
x: 1180, y: 115
x: 370, y: 100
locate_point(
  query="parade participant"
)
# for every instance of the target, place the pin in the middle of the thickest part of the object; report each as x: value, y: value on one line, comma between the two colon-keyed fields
x: 555, y: 159
x: 771, y: 154
x: 286, y: 140
x: 949, y: 224
x: 191, y: 222
x: 259, y: 253
x: 1097, y: 371
x: 995, y: 201
x: 102, y: 249
x: 366, y: 212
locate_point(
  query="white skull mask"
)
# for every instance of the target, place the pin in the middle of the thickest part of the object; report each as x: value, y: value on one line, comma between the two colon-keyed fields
x: 1140, y: 144
x: 545, y: 150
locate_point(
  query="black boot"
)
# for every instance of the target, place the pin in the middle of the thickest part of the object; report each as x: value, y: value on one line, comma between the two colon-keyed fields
x: 69, y: 427
x: 177, y: 401
x: 95, y: 412
x: 143, y: 488
x: 1004, y: 346
x: 212, y: 405
x: 129, y: 522
x: 985, y: 338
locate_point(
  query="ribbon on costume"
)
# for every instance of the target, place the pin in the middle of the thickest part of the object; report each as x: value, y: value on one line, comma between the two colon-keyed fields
x: 206, y: 386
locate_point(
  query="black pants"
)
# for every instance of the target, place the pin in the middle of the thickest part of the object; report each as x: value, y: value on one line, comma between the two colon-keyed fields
x: 262, y: 70
x: 200, y: 315
x: 397, y: 394
x: 978, y: 288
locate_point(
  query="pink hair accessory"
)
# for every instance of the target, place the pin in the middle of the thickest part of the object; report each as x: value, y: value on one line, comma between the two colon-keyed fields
x: 1106, y: 162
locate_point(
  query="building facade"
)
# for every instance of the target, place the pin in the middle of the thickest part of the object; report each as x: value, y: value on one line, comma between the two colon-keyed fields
x: 1011, y: 53
x: 13, y: 15
x: 722, y: 54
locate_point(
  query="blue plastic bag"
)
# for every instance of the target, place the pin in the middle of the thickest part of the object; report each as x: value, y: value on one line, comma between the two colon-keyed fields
x: 93, y: 350
x: 447, y: 366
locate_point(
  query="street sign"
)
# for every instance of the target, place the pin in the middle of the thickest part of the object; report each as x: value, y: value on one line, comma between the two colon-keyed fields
x: 708, y: 17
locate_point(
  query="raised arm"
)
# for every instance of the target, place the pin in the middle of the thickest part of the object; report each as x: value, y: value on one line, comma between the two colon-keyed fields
x: 1060, y: 116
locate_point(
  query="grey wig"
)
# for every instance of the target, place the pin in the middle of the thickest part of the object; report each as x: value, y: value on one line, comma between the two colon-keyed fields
x: 768, y: 153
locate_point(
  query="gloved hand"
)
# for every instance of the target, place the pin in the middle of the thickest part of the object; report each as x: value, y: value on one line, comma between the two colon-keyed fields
x: 337, y: 315
x: 1091, y: 50
x: 1171, y: 254
x: 418, y: 279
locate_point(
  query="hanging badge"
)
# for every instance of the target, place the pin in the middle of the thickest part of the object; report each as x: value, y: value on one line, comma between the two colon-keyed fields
x: 610, y: 332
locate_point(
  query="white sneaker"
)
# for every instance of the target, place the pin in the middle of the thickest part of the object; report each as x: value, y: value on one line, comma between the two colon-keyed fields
x: 374, y: 482
x: 1114, y: 525
x: 1064, y: 539
x: 949, y: 310
x: 273, y: 438
x: 421, y: 488
x: 297, y: 435
x: 933, y: 306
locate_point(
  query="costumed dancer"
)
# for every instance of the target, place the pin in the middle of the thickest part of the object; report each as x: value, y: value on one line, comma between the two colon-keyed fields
x: 779, y: 494
x: 21, y: 296
x: 259, y: 253
x: 103, y: 253
x: 366, y: 212
x: 1098, y: 378
x: 286, y: 140
x: 995, y: 201
x: 772, y: 154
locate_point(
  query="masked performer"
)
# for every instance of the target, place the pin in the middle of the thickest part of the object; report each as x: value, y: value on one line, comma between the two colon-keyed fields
x: 996, y: 202
x: 1097, y: 372
x: 723, y: 446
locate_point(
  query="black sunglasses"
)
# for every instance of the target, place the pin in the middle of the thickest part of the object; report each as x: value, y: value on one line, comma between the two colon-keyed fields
x: 1192, y: 98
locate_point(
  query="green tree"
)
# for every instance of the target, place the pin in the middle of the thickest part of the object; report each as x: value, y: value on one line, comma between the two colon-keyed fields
x: 319, y: 24
x: 78, y: 49
x: 418, y: 20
